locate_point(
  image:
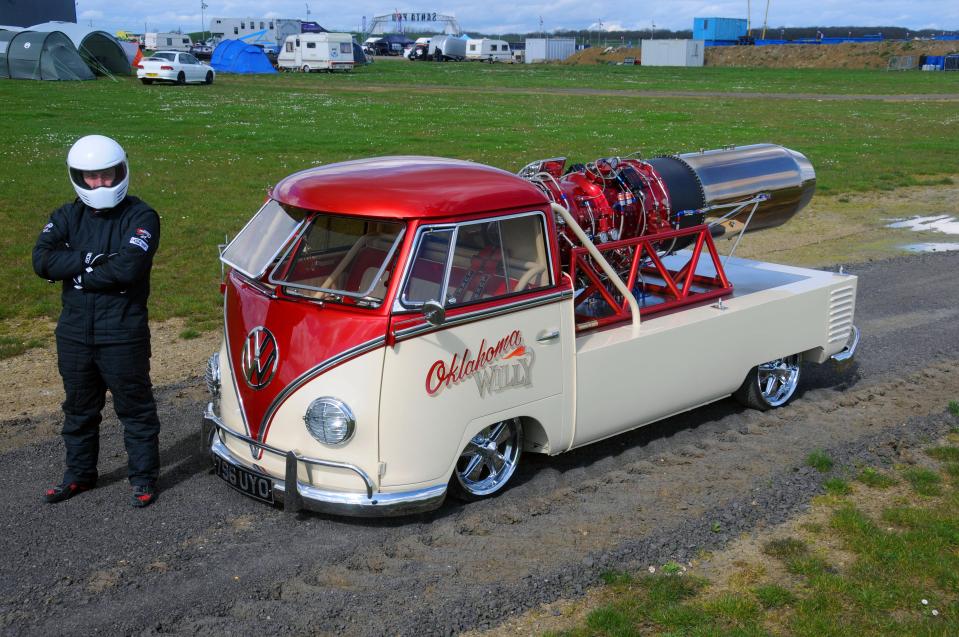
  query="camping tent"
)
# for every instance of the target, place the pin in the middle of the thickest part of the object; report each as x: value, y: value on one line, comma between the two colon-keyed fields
x: 31, y: 55
x: 100, y: 50
x: 133, y: 52
x: 359, y: 56
x: 234, y: 56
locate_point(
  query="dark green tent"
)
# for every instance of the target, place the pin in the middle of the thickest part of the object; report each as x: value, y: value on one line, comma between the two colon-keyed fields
x: 31, y: 55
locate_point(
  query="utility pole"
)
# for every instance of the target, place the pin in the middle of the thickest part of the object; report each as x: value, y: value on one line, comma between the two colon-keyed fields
x: 307, y: 11
x: 203, y: 7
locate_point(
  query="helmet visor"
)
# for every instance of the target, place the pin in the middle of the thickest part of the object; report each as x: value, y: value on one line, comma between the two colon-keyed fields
x: 103, y: 178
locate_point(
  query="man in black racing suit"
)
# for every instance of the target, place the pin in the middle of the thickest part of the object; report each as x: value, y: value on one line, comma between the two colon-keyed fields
x: 101, y: 248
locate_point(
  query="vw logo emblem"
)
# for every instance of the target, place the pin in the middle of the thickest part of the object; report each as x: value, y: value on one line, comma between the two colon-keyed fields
x: 260, y: 357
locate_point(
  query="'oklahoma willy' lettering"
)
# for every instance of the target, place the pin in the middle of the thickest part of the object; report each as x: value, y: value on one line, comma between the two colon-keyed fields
x: 495, y: 368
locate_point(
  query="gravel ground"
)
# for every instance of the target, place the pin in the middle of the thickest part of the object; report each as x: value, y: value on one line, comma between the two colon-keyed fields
x: 206, y: 559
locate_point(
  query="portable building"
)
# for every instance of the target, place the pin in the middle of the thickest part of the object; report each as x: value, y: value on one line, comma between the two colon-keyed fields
x: 41, y: 55
x: 549, y: 49
x: 167, y: 42
x: 672, y: 52
x: 719, y: 29
x: 317, y: 52
x: 271, y: 32
x: 488, y: 50
x: 234, y: 56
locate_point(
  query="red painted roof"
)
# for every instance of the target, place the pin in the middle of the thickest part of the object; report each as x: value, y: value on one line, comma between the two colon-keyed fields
x: 406, y: 187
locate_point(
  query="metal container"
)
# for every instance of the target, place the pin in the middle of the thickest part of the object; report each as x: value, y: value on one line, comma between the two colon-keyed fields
x: 549, y: 49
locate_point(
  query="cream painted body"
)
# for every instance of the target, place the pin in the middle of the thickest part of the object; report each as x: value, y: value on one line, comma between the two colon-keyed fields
x: 697, y: 355
x: 580, y: 388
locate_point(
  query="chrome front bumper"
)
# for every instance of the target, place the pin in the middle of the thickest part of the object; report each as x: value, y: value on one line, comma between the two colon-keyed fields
x: 311, y: 498
x: 849, y: 350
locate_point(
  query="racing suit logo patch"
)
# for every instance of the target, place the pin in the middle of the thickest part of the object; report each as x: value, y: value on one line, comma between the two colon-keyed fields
x: 140, y: 243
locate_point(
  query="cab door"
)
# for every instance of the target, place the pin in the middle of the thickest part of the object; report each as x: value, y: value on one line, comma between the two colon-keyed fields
x: 502, y: 351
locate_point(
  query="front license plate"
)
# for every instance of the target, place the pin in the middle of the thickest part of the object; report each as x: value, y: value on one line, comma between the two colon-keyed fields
x: 152, y: 74
x: 244, y: 481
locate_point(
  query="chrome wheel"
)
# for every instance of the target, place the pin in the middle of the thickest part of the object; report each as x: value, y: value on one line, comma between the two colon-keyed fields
x: 489, y: 460
x: 778, y: 380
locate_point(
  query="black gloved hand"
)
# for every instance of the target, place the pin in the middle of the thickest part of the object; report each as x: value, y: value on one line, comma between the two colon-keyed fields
x: 78, y: 282
x: 91, y: 260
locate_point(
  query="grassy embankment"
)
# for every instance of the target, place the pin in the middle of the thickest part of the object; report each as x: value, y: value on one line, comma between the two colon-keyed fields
x: 879, y: 555
x: 205, y: 156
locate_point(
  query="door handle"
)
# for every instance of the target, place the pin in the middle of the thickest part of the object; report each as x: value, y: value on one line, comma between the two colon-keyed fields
x: 545, y: 338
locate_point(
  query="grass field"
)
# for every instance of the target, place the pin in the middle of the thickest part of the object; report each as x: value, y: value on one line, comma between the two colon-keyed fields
x: 205, y: 156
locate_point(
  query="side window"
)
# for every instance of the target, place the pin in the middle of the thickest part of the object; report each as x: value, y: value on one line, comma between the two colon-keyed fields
x: 311, y: 45
x: 429, y: 267
x: 236, y: 30
x: 346, y: 47
x: 490, y: 259
x: 289, y: 46
x: 472, y: 47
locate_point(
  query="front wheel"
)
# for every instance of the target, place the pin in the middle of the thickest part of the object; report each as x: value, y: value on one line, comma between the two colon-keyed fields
x: 306, y: 68
x: 488, y: 461
x: 209, y: 78
x: 771, y: 384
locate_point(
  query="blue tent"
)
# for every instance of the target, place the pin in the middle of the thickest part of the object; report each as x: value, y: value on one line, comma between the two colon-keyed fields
x: 234, y: 56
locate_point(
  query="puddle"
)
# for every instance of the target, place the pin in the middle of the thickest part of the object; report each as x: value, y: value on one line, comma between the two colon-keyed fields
x: 934, y: 223
x: 931, y: 247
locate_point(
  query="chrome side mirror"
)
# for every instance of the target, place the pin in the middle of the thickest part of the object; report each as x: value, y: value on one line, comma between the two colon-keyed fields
x: 434, y: 313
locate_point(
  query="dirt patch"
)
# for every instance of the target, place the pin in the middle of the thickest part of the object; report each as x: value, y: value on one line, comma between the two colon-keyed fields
x: 852, y: 55
x: 32, y: 391
x: 742, y: 565
x: 601, y: 55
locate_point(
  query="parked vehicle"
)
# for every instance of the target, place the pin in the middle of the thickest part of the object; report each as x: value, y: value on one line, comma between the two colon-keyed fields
x: 419, y: 50
x: 201, y: 51
x: 487, y: 50
x: 400, y: 328
x: 317, y: 52
x: 447, y: 48
x: 167, y: 42
x: 176, y: 67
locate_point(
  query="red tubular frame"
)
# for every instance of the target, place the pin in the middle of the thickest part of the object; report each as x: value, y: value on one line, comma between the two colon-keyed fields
x: 677, y: 284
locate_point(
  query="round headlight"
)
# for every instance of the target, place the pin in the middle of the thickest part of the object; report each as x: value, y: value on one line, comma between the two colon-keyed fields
x: 330, y: 421
x: 212, y: 375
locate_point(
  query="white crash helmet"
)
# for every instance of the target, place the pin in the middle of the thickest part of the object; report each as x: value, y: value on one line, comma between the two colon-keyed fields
x: 96, y: 152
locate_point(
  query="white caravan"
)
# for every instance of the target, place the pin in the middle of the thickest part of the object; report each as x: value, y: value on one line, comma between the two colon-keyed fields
x: 317, y: 52
x: 167, y: 42
x: 487, y: 50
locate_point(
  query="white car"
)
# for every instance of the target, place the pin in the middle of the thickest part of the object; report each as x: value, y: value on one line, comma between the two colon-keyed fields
x: 174, y: 66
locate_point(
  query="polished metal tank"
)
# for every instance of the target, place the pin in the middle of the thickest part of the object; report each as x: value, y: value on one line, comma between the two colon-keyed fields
x: 734, y: 174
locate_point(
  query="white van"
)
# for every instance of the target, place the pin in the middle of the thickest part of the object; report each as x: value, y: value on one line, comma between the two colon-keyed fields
x: 167, y: 42
x: 317, y: 52
x: 487, y: 50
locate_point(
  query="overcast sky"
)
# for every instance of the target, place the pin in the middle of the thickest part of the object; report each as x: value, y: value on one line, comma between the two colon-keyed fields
x: 502, y: 16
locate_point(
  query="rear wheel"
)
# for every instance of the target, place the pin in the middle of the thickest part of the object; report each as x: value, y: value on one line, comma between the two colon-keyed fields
x: 181, y: 78
x: 488, y: 461
x: 771, y: 384
x: 209, y: 78
x: 306, y: 68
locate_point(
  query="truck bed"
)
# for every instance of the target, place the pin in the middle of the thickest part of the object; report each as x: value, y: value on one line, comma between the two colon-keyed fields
x: 687, y: 357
